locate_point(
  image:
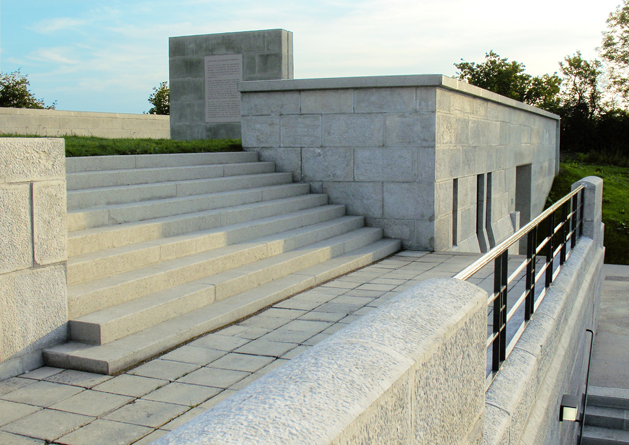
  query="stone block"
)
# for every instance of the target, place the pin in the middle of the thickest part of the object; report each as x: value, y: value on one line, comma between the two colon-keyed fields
x: 409, y: 201
x: 275, y: 103
x: 443, y: 100
x: 384, y: 164
x: 443, y: 198
x: 455, y: 162
x: 300, y: 131
x: 327, y: 164
x: 416, y: 129
x: 286, y: 160
x: 353, y: 130
x: 49, y: 222
x: 327, y: 101
x: 424, y: 236
x: 27, y: 159
x: 445, y: 129
x: 16, y: 242
x: 593, y: 201
x: 260, y: 131
x: 396, y: 229
x: 268, y: 66
x: 384, y: 100
x: 443, y: 233
x: 360, y: 198
x: 186, y: 90
x: 34, y: 309
x: 427, y: 99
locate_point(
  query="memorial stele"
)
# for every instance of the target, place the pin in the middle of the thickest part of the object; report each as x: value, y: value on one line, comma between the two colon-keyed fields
x: 204, y: 75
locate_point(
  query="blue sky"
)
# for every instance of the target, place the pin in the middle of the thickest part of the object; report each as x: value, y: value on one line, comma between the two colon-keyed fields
x: 107, y: 56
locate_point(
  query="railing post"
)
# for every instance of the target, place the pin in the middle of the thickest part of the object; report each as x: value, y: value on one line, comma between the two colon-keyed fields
x: 564, y: 233
x: 582, y: 212
x: 501, y: 275
x: 574, y: 220
x: 531, y: 256
x: 551, y: 249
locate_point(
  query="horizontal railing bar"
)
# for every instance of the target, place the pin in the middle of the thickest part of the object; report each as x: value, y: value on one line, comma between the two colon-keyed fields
x: 500, y: 248
x: 516, y: 306
x: 515, y: 338
x: 540, y: 297
x: 491, y: 339
x: 518, y: 270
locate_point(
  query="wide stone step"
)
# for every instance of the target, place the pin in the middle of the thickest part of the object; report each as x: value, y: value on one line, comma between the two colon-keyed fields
x: 83, y: 199
x: 218, y: 264
x: 101, y: 163
x: 99, y: 264
x: 124, y: 213
x: 110, y: 237
x: 605, y: 417
x: 113, y: 178
x: 121, y: 354
x: 603, y: 436
x: 608, y: 397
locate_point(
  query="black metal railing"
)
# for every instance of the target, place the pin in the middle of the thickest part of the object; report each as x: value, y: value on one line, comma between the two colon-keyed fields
x: 560, y: 234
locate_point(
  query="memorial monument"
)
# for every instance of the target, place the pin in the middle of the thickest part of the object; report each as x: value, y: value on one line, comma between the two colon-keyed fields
x: 204, y: 75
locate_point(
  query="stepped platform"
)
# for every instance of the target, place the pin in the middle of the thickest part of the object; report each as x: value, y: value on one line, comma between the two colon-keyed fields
x: 164, y: 248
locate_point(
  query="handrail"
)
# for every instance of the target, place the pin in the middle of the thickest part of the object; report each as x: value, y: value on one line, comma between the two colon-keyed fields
x: 555, y: 244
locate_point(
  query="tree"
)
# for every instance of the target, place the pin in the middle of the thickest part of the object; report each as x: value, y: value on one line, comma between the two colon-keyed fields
x: 581, y: 85
x: 14, y: 92
x: 615, y: 50
x: 509, y: 79
x: 160, y: 99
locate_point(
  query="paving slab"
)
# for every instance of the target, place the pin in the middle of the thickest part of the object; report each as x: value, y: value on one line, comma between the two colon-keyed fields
x: 182, y: 394
x: 10, y: 411
x: 92, y: 403
x: 217, y: 399
x: 47, y: 424
x: 218, y: 378
x: 283, y: 335
x: 131, y: 385
x: 178, y: 421
x: 241, y: 362
x: 78, y: 378
x: 147, y: 413
x: 105, y: 432
x: 265, y: 347
x: 222, y: 342
x: 13, y: 439
x: 42, y: 394
x: 13, y: 384
x: 146, y: 440
x: 194, y: 355
x: 164, y: 369
x: 42, y: 373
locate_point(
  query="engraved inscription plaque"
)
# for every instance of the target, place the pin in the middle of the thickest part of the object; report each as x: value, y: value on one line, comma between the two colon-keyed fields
x: 222, y: 98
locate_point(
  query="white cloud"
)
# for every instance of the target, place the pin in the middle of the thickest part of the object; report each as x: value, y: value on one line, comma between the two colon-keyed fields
x: 57, y: 24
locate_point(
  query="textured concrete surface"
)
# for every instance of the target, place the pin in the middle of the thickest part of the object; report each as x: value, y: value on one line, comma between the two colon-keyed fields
x: 393, y: 147
x: 33, y: 301
x: 266, y: 55
x: 77, y: 123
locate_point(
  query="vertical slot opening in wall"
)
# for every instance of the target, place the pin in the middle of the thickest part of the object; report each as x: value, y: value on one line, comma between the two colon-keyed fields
x: 480, y: 213
x: 488, y: 210
x: 455, y: 211
x: 523, y: 193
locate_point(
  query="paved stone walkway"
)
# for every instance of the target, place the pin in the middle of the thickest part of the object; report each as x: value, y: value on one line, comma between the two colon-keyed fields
x: 144, y: 403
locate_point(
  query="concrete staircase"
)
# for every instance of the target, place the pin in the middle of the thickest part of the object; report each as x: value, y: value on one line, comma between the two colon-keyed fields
x: 164, y: 248
x: 606, y: 417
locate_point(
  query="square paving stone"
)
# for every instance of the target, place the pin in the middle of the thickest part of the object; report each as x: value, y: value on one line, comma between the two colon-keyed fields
x: 271, y: 366
x: 12, y: 439
x: 164, y: 369
x: 331, y: 317
x: 186, y: 417
x: 316, y: 339
x: 343, y: 309
x: 241, y: 362
x: 130, y: 385
x: 287, y: 336
x: 245, y: 382
x: 13, y: 384
x: 10, y: 411
x: 340, y: 284
x: 182, y: 394
x: 348, y: 299
x: 265, y: 347
x: 217, y: 399
x: 47, y: 424
x: 295, y: 352
x: 253, y: 333
x: 218, y: 378
x: 195, y: 355
x: 147, y: 413
x: 293, y: 303
x: 151, y: 437
x: 41, y: 373
x: 42, y: 393
x: 105, y: 432
x: 264, y: 322
x: 282, y: 313
x: 92, y: 403
x: 307, y: 326
x: 350, y: 319
x: 78, y: 378
x: 220, y: 342
x: 365, y: 293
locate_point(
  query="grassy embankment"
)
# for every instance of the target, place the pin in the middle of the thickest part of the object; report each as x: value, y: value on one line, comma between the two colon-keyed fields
x: 615, y: 203
x: 93, y: 146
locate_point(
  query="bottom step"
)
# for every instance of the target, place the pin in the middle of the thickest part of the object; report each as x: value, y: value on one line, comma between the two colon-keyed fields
x: 117, y: 356
x: 603, y: 436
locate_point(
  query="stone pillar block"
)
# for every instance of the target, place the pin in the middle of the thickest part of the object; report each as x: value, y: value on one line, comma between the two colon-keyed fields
x: 593, y: 211
x: 49, y: 222
x: 16, y: 243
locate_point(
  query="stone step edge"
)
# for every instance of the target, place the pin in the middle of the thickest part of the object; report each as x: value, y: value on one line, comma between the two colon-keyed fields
x: 121, y: 231
x: 606, y: 417
x: 593, y: 435
x: 325, y: 213
x: 120, y: 355
x: 608, y: 397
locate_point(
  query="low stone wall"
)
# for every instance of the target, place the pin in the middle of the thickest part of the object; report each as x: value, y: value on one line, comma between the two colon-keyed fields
x: 33, y: 299
x: 551, y: 357
x: 412, y: 371
x: 427, y: 158
x: 28, y: 121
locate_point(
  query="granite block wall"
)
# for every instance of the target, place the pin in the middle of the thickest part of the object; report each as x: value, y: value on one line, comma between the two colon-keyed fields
x: 391, y: 149
x: 266, y: 55
x: 33, y: 301
x: 28, y: 121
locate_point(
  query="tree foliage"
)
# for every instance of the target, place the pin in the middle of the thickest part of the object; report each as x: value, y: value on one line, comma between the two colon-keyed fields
x: 160, y: 99
x: 14, y: 92
x: 615, y: 50
x: 509, y: 79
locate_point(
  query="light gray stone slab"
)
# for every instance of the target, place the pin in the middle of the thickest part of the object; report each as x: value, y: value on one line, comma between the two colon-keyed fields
x: 182, y: 394
x: 287, y: 159
x: 13, y: 384
x: 194, y: 355
x: 378, y: 100
x: 353, y: 130
x: 327, y: 101
x: 92, y: 403
x: 78, y: 378
x: 49, y: 222
x: 10, y: 411
x: 47, y: 424
x: 217, y: 399
x: 408, y: 201
x: 42, y: 394
x: 130, y: 385
x: 221, y: 342
x: 14, y: 439
x: 390, y: 165
x: 287, y: 336
x: 164, y: 369
x: 28, y: 159
x: 267, y: 348
x: 15, y: 219
x: 218, y: 378
x: 327, y: 164
x: 260, y: 131
x: 300, y: 131
x: 151, y: 437
x: 41, y: 373
x: 417, y: 130
x: 147, y: 413
x: 361, y: 198
x: 106, y: 431
x: 241, y: 362
x: 186, y: 417
x: 255, y: 104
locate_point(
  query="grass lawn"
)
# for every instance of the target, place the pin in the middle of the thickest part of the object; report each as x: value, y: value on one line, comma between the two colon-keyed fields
x: 615, y: 203
x: 93, y: 146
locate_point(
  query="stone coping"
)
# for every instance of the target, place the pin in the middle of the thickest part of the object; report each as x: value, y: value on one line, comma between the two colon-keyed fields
x: 414, y: 80
x: 95, y: 114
